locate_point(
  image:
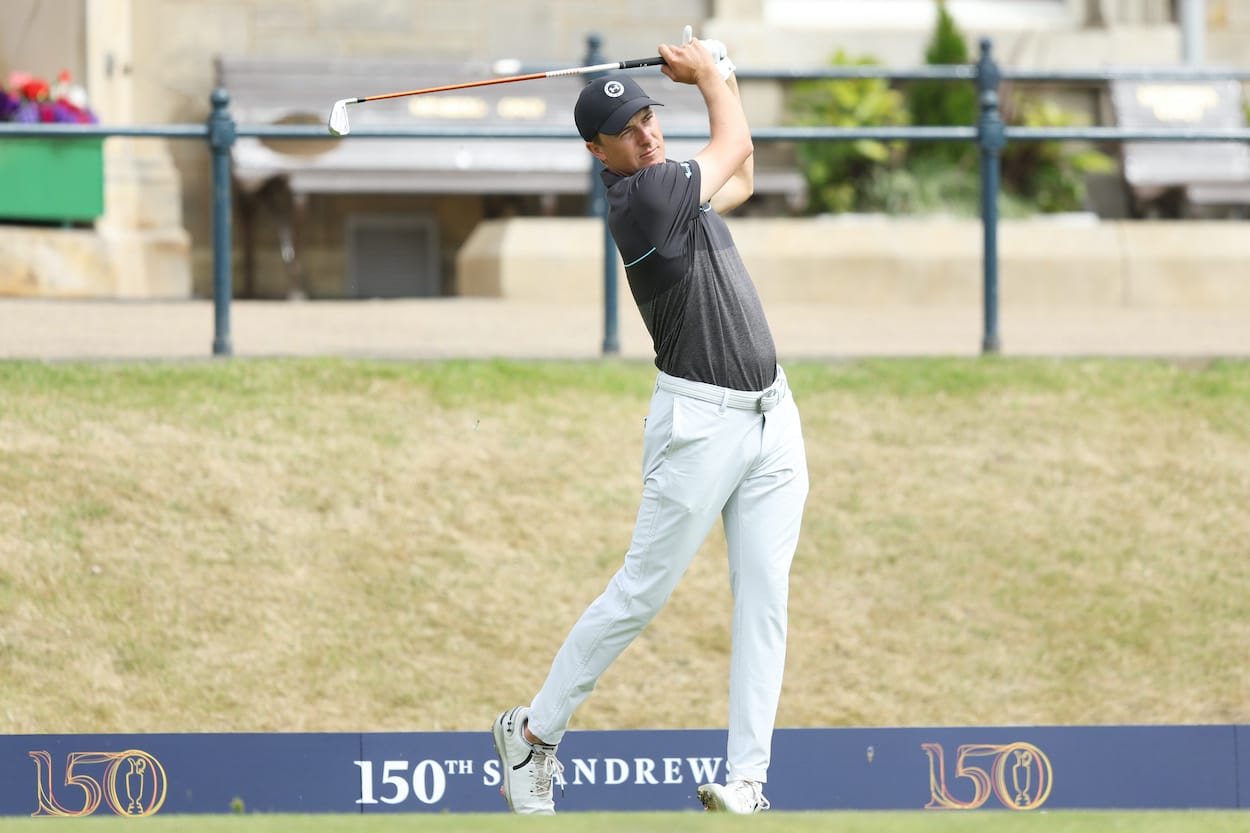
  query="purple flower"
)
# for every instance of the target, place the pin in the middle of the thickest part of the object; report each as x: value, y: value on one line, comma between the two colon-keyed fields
x: 27, y: 112
x: 8, y: 106
x: 67, y: 113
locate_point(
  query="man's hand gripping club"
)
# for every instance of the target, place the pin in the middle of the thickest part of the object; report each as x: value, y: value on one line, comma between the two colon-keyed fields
x: 727, y: 173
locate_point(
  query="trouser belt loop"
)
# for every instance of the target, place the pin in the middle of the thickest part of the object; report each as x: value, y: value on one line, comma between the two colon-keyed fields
x: 770, y: 399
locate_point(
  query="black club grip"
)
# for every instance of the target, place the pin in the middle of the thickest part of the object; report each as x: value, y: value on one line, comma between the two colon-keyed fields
x: 642, y: 62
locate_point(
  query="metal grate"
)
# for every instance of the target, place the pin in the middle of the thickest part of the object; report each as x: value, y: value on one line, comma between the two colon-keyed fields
x: 393, y: 256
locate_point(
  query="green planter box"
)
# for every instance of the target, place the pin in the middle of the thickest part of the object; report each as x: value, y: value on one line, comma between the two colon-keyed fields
x: 57, y: 180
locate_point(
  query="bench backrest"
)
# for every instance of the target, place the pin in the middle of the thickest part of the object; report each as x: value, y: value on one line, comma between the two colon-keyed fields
x: 1181, y: 104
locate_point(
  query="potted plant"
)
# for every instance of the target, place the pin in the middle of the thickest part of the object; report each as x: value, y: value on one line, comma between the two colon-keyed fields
x: 49, y: 179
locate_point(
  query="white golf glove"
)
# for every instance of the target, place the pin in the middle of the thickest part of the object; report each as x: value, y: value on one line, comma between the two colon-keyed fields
x: 718, y: 50
x: 721, y: 54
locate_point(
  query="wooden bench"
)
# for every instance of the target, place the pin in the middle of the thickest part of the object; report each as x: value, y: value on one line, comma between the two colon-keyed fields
x: 283, y: 174
x: 1175, y: 177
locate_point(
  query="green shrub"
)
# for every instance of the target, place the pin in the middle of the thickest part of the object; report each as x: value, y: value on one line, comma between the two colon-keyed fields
x: 931, y: 177
x: 941, y: 102
x: 1049, y: 175
x: 837, y: 172
x: 926, y: 187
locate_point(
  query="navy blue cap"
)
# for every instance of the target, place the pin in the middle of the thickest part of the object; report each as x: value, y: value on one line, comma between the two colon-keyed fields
x: 607, y: 104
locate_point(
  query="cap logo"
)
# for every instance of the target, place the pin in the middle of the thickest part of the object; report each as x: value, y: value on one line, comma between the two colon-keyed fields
x: 613, y: 89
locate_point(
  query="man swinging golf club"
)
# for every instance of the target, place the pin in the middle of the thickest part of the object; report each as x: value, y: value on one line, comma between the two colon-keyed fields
x: 722, y: 436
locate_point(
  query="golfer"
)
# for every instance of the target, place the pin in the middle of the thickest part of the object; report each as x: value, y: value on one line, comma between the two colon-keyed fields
x: 722, y: 437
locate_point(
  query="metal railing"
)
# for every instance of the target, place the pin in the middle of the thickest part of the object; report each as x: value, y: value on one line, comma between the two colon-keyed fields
x: 990, y: 134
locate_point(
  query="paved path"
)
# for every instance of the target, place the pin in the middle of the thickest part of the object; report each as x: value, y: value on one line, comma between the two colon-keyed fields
x: 477, y: 328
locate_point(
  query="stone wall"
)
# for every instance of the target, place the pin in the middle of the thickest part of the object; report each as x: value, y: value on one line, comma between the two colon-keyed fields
x: 1073, y: 262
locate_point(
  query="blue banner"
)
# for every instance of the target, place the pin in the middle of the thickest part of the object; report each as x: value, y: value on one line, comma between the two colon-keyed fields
x: 940, y: 769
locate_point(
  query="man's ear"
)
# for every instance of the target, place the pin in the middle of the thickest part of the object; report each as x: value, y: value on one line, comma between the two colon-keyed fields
x: 597, y: 150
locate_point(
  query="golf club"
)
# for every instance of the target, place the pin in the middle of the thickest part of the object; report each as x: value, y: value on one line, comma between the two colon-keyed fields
x: 340, y: 126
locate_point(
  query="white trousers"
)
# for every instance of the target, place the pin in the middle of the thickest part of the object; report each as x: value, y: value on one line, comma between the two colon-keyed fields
x: 702, y: 459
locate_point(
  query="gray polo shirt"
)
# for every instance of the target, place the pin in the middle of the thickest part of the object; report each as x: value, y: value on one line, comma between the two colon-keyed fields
x: 691, y: 286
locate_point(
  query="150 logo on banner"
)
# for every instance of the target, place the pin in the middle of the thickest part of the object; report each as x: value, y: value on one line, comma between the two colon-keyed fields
x: 131, y: 783
x: 1017, y: 774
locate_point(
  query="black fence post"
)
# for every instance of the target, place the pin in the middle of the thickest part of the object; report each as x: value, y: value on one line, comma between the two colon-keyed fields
x: 991, y: 137
x: 599, y: 208
x: 221, y: 136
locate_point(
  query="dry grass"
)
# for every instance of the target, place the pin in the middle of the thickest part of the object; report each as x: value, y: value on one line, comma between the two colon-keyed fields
x: 1064, y: 821
x: 356, y: 546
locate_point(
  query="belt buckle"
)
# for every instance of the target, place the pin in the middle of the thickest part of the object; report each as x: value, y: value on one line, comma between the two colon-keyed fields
x: 768, y: 400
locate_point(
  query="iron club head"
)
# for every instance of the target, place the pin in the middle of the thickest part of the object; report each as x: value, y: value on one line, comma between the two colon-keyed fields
x: 338, y: 123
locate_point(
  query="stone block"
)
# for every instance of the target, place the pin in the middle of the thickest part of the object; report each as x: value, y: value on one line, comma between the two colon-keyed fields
x: 53, y: 262
x: 1058, y: 262
x: 1187, y: 264
x: 90, y: 263
x: 537, y: 259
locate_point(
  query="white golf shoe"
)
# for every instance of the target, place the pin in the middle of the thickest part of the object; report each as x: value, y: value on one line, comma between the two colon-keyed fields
x: 528, y: 769
x: 743, y: 797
